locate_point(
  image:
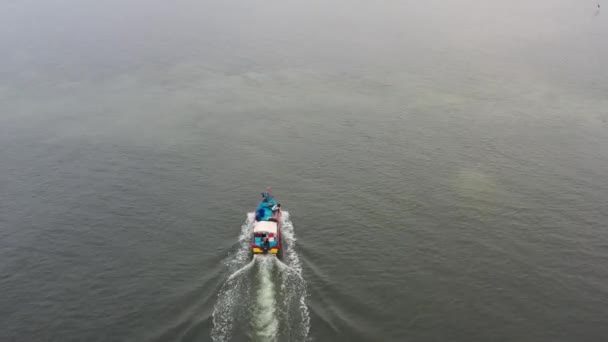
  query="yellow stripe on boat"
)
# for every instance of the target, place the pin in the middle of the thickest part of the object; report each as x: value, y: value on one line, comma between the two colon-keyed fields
x: 257, y: 250
x: 274, y: 251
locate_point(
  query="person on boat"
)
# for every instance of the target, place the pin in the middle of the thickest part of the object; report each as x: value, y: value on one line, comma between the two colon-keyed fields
x: 265, y: 243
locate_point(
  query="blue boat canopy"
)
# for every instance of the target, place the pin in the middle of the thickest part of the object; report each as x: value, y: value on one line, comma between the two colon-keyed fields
x: 264, y: 211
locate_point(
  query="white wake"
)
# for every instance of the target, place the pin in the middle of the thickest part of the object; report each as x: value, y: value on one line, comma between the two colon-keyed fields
x: 293, y: 285
x: 227, y: 311
x: 264, y: 322
x: 264, y: 298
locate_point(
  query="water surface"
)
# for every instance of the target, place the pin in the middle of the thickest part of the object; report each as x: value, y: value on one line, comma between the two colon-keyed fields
x: 444, y: 166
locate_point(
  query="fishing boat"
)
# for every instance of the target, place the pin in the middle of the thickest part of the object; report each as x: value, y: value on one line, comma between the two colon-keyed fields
x: 267, y: 226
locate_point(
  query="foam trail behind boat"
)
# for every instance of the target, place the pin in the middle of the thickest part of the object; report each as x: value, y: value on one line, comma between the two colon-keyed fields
x: 275, y: 307
x: 264, y: 323
x: 235, y: 290
x: 293, y: 286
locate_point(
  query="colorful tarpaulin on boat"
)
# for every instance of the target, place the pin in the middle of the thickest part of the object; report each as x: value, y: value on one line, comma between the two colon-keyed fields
x: 264, y: 210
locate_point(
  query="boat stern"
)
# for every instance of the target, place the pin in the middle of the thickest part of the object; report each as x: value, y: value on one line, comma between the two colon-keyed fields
x: 260, y: 250
x: 266, y: 238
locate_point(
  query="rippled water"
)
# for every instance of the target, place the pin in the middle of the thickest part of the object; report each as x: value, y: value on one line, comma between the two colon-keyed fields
x: 444, y: 166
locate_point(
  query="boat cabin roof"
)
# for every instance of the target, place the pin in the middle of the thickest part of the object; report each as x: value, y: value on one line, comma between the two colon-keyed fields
x: 265, y: 226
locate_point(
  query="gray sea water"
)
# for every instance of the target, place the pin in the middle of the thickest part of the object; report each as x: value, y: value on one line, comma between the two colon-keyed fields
x: 443, y: 166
